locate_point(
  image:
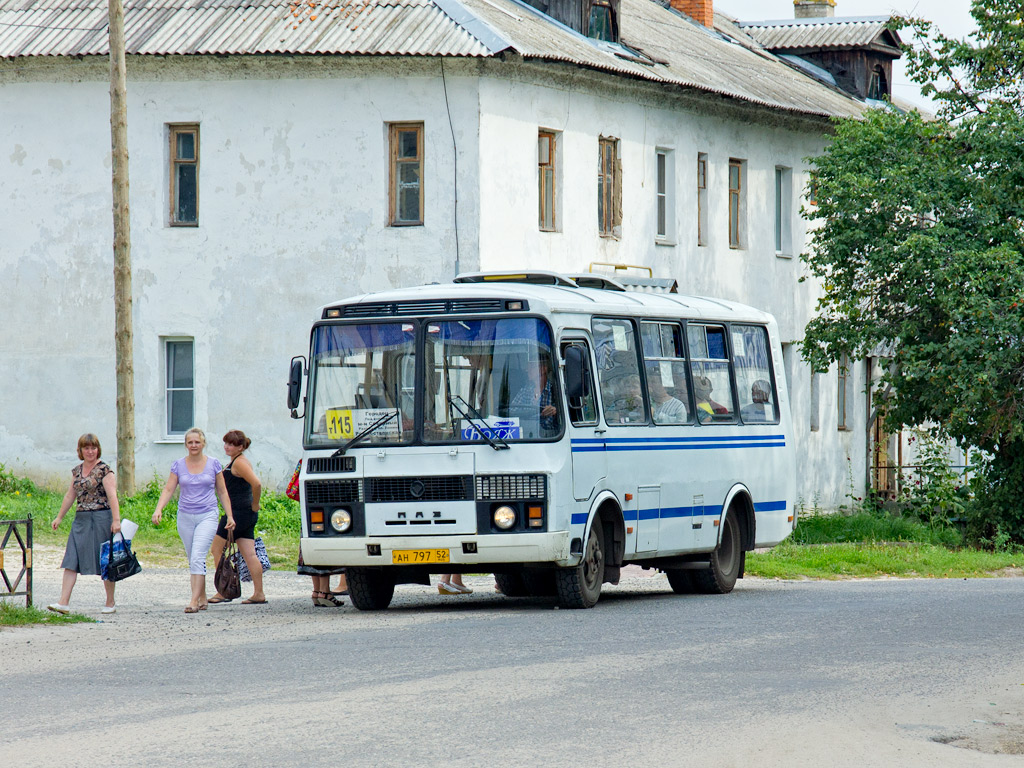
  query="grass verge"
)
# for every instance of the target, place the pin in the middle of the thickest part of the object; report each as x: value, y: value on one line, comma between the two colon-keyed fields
x: 867, y: 545
x: 19, y: 616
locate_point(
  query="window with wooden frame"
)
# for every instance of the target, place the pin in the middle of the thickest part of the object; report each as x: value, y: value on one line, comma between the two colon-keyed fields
x: 184, y: 175
x: 702, y: 198
x: 405, y: 189
x: 878, y: 86
x: 737, y: 192
x: 843, y: 393
x: 609, y: 188
x: 602, y: 20
x: 546, y: 148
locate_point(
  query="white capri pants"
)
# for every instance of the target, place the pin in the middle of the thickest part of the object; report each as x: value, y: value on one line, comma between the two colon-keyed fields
x: 197, y: 532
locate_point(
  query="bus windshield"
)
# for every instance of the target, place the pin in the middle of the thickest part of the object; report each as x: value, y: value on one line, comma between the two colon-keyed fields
x: 489, y: 378
x: 361, y: 375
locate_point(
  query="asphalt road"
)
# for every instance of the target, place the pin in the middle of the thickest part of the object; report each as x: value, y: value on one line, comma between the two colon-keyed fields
x: 875, y: 673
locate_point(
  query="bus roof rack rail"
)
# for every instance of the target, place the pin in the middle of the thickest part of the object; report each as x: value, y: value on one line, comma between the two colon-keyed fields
x: 536, y: 277
x: 633, y: 282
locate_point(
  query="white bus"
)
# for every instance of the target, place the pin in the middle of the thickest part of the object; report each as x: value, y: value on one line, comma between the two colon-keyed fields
x: 549, y: 433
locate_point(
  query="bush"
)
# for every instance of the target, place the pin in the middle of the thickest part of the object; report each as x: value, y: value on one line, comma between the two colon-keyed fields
x: 11, y: 484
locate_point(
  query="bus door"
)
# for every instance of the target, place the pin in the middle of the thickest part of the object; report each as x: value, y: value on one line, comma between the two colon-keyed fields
x: 586, y: 435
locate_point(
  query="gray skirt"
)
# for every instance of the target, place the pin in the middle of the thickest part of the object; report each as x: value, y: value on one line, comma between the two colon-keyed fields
x: 90, y: 529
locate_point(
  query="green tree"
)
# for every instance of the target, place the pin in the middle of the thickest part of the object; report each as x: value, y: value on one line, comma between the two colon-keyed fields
x: 920, y: 250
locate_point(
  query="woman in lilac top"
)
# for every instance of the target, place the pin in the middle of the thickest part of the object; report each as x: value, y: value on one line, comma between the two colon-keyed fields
x: 201, y: 483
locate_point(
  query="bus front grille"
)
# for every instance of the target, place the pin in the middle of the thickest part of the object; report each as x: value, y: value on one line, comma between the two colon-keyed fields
x: 438, y: 488
x: 509, y: 487
x: 331, y: 464
x: 333, y: 491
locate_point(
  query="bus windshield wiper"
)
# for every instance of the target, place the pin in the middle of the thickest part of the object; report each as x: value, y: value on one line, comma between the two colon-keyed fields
x: 498, y: 446
x: 365, y: 433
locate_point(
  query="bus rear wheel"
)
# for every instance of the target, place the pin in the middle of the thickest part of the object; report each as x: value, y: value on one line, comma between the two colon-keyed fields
x: 580, y: 586
x: 726, y: 560
x: 370, y: 589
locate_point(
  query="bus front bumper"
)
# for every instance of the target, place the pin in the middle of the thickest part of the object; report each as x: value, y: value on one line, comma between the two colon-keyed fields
x: 549, y: 548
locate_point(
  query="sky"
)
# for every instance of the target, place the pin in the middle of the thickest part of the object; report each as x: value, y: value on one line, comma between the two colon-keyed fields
x: 952, y: 17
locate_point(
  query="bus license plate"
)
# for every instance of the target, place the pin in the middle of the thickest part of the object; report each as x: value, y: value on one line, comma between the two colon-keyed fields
x: 416, y: 556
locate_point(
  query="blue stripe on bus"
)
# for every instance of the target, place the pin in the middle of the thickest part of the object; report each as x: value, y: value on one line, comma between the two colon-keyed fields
x: 702, y: 438
x: 667, y: 513
x: 770, y: 506
x: 615, y: 444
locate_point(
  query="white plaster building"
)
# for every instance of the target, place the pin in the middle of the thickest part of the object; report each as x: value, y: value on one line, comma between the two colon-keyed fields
x: 301, y: 114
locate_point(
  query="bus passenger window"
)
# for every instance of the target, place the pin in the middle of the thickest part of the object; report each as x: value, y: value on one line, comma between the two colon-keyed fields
x: 619, y: 372
x: 752, y: 362
x: 712, y: 384
x: 664, y: 360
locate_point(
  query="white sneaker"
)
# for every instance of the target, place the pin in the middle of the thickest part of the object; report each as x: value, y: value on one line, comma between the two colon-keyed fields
x: 58, y: 608
x: 109, y: 609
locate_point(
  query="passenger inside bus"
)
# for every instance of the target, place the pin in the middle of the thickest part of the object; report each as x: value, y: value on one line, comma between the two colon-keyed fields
x: 627, y: 405
x: 760, y: 409
x: 706, y: 407
x: 664, y: 407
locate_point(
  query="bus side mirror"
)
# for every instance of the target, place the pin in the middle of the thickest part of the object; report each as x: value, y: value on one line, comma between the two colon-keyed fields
x: 575, y: 368
x: 295, y: 384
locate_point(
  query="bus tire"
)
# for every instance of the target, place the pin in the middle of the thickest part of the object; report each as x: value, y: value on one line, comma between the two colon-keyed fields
x: 681, y: 581
x: 540, y: 583
x: 580, y: 586
x: 511, y: 584
x: 370, y: 589
x: 726, y: 561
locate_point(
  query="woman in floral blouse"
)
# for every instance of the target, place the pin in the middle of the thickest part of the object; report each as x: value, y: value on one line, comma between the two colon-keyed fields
x: 94, y: 487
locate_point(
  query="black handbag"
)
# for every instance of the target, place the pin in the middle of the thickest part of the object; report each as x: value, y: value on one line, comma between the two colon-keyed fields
x: 229, y: 586
x: 123, y: 563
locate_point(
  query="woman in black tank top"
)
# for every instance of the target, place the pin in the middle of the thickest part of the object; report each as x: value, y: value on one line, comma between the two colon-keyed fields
x: 244, y: 489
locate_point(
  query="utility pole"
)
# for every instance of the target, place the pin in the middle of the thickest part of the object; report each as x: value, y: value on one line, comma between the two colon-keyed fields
x: 122, y: 254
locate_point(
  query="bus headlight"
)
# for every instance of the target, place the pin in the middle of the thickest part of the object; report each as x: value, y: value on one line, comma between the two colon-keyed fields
x: 504, y: 517
x: 341, y: 520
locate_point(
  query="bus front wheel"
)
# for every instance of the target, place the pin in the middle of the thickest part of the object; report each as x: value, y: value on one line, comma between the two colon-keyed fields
x: 721, y: 577
x: 580, y: 586
x: 370, y: 589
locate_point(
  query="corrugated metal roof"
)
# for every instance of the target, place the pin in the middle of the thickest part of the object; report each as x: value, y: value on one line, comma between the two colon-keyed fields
x: 835, y: 32
x: 678, y: 51
x: 667, y: 46
x: 79, y: 28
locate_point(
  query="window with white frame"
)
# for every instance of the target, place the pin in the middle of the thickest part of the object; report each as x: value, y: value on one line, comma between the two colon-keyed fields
x: 737, y: 203
x: 547, y: 146
x: 184, y: 174
x: 179, y: 364
x: 665, y: 195
x: 783, y: 211
x: 702, y: 198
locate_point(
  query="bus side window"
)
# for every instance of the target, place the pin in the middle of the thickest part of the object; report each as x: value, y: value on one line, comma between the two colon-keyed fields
x: 754, y: 383
x: 582, y: 409
x: 619, y: 372
x: 709, y: 363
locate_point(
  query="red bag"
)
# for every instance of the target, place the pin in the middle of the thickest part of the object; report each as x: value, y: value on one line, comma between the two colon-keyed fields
x: 293, y: 485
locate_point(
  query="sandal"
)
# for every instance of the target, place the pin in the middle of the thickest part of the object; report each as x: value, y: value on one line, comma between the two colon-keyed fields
x: 324, y: 600
x: 190, y: 609
x: 216, y: 600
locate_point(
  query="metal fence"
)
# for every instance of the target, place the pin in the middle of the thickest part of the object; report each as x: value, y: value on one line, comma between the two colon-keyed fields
x: 21, y: 531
